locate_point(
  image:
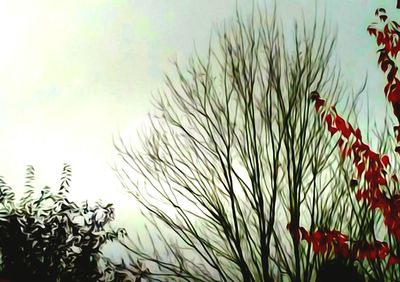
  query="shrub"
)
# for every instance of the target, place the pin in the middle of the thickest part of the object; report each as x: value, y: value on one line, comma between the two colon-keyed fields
x: 50, y: 238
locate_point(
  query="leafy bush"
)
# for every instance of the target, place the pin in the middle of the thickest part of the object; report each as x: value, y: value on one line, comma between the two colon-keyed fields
x: 49, y: 238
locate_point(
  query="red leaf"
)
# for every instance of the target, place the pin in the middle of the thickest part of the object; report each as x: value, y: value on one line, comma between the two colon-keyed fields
x: 358, y: 133
x: 371, y: 30
x: 391, y: 75
x: 379, y: 40
x: 316, y: 247
x: 344, y: 250
x: 393, y: 260
x: 385, y: 160
x: 394, y: 93
x: 368, y: 175
x: 328, y: 120
x: 362, y: 254
x: 340, y: 123
x: 372, y: 155
x: 373, y: 254
x: 382, y: 181
x: 342, y: 239
x: 383, y: 250
x: 319, y: 103
x: 317, y: 235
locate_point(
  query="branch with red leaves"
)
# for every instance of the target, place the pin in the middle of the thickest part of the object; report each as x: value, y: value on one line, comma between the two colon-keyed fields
x: 370, y: 166
x: 387, y: 39
x: 337, y: 243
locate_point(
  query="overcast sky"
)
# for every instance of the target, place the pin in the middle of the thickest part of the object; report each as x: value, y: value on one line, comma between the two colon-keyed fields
x: 73, y: 74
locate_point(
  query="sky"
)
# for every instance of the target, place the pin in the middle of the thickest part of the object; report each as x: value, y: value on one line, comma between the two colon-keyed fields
x: 75, y: 74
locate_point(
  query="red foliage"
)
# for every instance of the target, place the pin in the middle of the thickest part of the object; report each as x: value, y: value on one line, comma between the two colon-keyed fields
x: 393, y: 260
x: 369, y: 165
x: 387, y: 38
x: 372, y: 167
x: 323, y: 241
x: 335, y: 242
x: 371, y: 251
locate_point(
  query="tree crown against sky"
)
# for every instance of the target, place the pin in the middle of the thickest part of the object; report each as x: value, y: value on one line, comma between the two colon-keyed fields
x: 235, y: 152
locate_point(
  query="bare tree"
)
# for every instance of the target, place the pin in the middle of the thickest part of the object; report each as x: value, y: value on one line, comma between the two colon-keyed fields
x: 235, y: 153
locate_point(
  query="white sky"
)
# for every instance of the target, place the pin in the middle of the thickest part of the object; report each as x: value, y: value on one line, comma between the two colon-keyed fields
x: 75, y: 73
